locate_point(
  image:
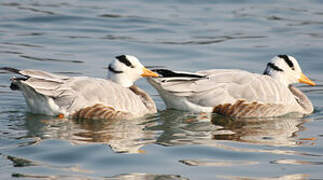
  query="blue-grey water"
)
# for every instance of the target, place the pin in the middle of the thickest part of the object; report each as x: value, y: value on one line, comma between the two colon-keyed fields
x: 80, y: 38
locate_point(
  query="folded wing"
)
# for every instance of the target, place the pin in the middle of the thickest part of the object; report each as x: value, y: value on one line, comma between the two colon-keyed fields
x: 226, y: 86
x: 71, y: 94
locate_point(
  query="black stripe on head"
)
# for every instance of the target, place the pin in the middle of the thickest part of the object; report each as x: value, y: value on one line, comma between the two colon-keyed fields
x: 123, y: 59
x: 113, y: 70
x: 287, y: 60
x: 272, y: 66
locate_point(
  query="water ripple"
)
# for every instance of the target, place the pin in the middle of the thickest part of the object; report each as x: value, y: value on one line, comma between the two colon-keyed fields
x: 113, y: 37
x: 10, y: 52
x: 118, y: 177
x: 217, y: 163
x: 317, y: 89
x: 63, y: 34
x: 22, y: 44
x: 293, y: 22
x: 146, y: 176
x: 111, y: 16
x: 37, y: 10
x: 50, y: 59
x: 20, y: 162
x: 32, y: 34
x: 252, y: 12
x: 296, y: 162
x: 12, y: 4
x: 286, y: 177
x: 211, y: 40
x: 23, y: 7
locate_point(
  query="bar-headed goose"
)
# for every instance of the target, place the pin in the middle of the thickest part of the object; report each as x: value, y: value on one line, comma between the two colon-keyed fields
x: 86, y: 97
x: 237, y: 93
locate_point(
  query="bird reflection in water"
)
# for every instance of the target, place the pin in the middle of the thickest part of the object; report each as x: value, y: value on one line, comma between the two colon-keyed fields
x: 123, y: 136
x: 170, y: 128
x: 191, y: 128
x: 279, y: 131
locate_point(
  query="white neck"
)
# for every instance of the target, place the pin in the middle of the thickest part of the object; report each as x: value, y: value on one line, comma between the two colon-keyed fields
x: 281, y: 77
x: 121, y: 79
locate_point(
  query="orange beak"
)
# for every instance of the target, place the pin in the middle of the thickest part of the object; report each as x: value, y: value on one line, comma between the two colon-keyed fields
x: 304, y: 79
x: 148, y: 73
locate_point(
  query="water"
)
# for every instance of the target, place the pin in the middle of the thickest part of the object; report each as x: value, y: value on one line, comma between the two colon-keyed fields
x: 81, y: 37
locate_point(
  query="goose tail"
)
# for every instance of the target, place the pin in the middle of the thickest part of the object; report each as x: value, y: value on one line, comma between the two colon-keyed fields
x: 14, y: 80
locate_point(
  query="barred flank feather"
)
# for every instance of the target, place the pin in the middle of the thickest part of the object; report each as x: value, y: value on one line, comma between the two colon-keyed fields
x: 99, y: 111
x: 242, y: 109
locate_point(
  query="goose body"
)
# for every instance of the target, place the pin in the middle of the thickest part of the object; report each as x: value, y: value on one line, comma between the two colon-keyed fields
x: 86, y: 97
x: 236, y: 93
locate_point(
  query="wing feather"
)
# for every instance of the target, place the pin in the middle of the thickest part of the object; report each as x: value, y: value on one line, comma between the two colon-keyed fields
x: 74, y: 93
x: 87, y: 91
x: 42, y: 75
x: 227, y: 86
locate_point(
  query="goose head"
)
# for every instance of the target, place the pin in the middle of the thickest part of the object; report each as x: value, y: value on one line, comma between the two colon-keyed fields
x: 126, y: 69
x: 286, y: 69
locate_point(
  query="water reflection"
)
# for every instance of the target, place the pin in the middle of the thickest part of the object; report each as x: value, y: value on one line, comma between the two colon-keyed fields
x: 272, y: 131
x: 172, y: 128
x: 286, y: 177
x: 296, y: 162
x: 137, y: 176
x: 50, y: 59
x: 218, y: 163
x: 189, y: 128
x: 144, y: 176
x: 123, y: 136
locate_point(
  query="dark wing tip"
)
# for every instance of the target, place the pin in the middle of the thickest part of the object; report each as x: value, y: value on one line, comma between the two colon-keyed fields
x: 164, y: 72
x: 14, y: 87
x: 170, y: 73
x: 155, y: 67
x: 10, y: 69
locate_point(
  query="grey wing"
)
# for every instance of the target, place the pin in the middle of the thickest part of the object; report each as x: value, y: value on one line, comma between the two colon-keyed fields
x: 41, y: 74
x: 38, y: 74
x: 227, y: 86
x: 74, y: 93
x: 85, y: 91
x: 42, y: 82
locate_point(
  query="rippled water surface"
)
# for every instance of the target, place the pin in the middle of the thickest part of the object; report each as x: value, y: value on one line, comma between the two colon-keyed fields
x: 80, y: 37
